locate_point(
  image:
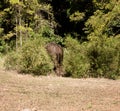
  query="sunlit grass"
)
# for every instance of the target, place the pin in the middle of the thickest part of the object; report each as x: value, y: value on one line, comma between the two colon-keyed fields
x: 50, y: 93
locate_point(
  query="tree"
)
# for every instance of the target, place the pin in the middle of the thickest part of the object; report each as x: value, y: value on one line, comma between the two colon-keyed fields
x: 21, y: 19
x: 105, y: 20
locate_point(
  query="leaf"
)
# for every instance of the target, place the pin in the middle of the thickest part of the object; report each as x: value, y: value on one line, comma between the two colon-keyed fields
x: 14, y: 1
x: 7, y: 9
x: 9, y: 35
x: 77, y: 16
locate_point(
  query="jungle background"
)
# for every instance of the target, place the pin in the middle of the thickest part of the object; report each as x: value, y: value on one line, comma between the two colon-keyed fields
x: 88, y: 30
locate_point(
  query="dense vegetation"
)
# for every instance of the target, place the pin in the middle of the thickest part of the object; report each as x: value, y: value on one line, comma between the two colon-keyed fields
x: 88, y: 30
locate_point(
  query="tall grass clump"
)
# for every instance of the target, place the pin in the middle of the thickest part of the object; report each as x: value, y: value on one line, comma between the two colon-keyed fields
x: 31, y: 58
x: 12, y: 61
x: 75, y: 61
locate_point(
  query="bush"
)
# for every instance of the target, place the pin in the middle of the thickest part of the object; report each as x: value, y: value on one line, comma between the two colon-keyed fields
x: 3, y: 46
x: 75, y: 61
x: 31, y: 58
x: 99, y: 57
x: 96, y: 58
x: 104, y: 57
x: 12, y: 61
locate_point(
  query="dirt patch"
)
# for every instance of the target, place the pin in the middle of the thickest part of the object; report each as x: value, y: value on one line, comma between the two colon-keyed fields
x: 23, y: 92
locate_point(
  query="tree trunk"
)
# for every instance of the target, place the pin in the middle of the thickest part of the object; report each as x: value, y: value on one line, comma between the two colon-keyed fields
x: 20, y: 32
x: 16, y: 33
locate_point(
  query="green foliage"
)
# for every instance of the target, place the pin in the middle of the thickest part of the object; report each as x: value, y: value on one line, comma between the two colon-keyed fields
x: 77, y: 16
x: 3, y: 46
x: 31, y: 58
x: 97, y: 58
x: 14, y: 1
x: 75, y: 61
x: 1, y: 31
x: 18, y: 18
x: 104, y: 5
x: 104, y: 22
x: 104, y: 55
x: 12, y: 61
x: 48, y: 33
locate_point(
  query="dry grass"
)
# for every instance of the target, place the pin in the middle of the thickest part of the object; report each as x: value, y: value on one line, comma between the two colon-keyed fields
x: 18, y: 92
x: 1, y: 62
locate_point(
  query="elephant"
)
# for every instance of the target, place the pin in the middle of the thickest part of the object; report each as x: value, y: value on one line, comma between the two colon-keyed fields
x: 55, y: 51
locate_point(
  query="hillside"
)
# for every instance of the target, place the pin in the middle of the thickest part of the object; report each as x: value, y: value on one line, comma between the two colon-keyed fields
x: 27, y: 93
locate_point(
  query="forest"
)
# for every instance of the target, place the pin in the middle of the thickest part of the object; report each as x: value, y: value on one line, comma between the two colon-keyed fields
x: 88, y: 31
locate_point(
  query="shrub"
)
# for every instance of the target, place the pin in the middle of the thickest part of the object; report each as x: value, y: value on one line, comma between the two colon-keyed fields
x: 12, y: 61
x: 104, y: 55
x: 75, y: 61
x: 96, y: 58
x: 31, y: 58
x: 3, y: 46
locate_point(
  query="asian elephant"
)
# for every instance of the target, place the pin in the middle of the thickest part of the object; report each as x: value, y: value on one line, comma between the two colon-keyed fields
x: 56, y: 53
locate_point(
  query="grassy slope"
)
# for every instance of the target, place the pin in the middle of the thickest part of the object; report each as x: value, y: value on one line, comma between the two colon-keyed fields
x: 19, y: 92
